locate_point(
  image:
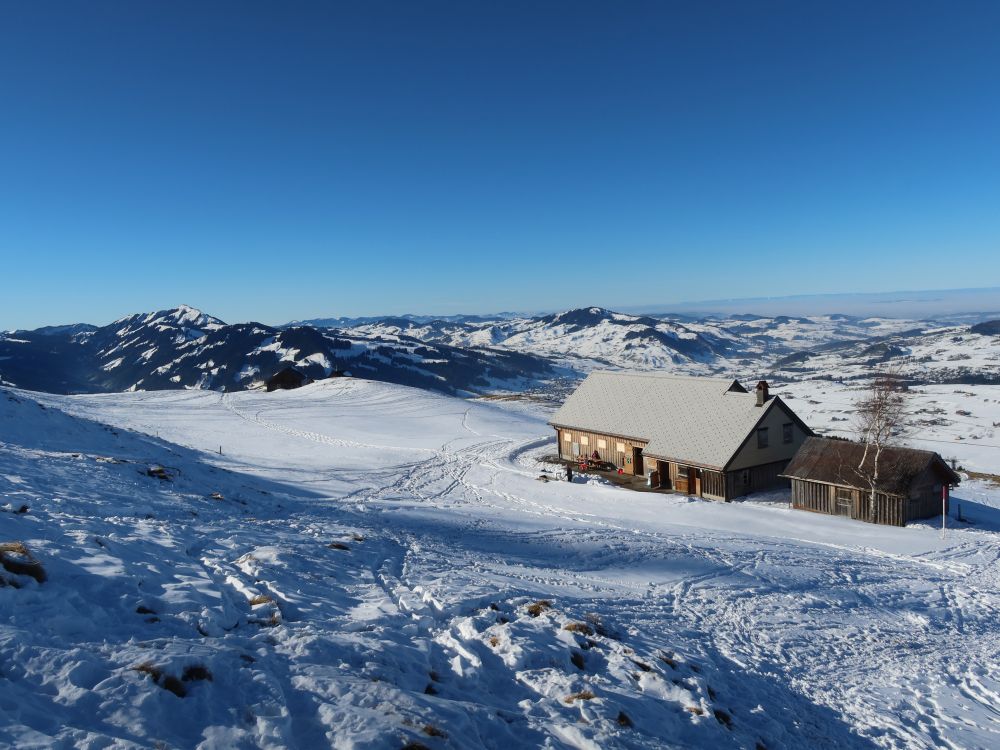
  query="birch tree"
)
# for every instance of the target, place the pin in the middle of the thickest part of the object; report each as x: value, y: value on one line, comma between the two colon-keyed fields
x: 880, y: 419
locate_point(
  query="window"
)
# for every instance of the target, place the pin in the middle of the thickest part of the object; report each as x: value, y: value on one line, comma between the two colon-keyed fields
x: 845, y: 494
x: 762, y: 437
x: 568, y: 437
x: 786, y: 432
x: 584, y: 440
x: 620, y: 447
x: 602, y: 443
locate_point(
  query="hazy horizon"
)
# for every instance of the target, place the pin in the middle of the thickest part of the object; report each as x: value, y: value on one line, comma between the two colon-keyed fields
x: 916, y: 304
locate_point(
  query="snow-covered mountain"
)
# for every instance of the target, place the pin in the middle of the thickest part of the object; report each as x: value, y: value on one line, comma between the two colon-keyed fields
x: 581, y: 338
x: 742, y: 345
x: 185, y: 348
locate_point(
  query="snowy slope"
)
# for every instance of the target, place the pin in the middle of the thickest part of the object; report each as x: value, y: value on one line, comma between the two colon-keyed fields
x: 696, y: 624
x: 927, y: 354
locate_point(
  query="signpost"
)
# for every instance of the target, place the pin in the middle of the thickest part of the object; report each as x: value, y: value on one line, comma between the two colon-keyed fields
x: 944, y: 509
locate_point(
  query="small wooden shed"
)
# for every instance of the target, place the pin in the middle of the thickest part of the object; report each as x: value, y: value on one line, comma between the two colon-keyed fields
x: 287, y: 379
x: 827, y: 476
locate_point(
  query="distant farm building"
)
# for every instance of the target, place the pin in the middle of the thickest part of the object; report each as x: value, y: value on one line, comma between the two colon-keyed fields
x: 827, y: 477
x: 702, y: 436
x: 287, y: 379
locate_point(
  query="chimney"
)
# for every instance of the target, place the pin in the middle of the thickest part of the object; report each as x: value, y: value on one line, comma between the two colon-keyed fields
x: 762, y: 396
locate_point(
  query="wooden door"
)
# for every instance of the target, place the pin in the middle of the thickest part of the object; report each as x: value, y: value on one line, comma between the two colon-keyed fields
x: 664, y: 468
x: 637, y: 466
x: 696, y: 484
x: 681, y: 483
x: 844, y: 502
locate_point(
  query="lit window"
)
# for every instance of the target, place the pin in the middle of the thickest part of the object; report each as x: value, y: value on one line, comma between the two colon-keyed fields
x: 620, y: 447
x: 568, y: 437
x: 601, y: 443
x: 584, y: 440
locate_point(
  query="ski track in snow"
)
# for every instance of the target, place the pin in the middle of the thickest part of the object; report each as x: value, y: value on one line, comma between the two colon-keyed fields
x: 807, y: 631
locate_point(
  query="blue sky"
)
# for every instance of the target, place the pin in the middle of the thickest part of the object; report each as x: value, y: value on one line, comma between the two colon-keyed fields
x: 272, y: 161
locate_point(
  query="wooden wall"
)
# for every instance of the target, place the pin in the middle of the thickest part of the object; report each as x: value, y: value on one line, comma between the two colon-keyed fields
x: 925, y: 504
x: 610, y: 453
x: 713, y: 483
x: 755, y: 478
x: 889, y: 510
x: 813, y: 496
x: 925, y: 495
x: 777, y: 450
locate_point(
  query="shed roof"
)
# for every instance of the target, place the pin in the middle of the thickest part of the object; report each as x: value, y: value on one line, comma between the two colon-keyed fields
x: 837, y: 462
x: 696, y: 420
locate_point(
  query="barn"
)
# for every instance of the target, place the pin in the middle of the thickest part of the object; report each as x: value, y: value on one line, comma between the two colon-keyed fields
x: 827, y: 476
x: 287, y: 379
x: 701, y: 436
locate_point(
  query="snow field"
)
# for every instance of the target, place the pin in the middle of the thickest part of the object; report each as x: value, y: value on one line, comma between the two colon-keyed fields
x: 367, y: 565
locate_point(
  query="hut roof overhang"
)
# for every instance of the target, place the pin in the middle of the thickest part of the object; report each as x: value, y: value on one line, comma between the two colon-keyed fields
x: 693, y: 420
x: 838, y: 462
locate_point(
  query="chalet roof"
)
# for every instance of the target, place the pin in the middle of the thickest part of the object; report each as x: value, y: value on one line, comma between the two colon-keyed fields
x: 289, y: 372
x: 695, y: 420
x: 836, y: 462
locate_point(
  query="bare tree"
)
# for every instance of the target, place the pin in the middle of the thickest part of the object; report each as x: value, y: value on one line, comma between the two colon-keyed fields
x: 881, y: 418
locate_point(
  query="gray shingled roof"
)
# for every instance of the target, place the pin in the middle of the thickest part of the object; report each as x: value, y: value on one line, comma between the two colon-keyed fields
x: 837, y: 461
x: 688, y: 419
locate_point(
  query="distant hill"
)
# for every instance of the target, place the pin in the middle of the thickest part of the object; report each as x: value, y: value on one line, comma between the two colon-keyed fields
x: 185, y: 348
x: 988, y: 328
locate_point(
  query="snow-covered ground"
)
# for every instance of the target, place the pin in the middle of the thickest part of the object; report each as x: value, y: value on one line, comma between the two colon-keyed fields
x: 356, y: 564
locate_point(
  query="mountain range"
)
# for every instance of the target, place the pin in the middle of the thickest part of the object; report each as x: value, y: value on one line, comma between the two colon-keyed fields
x: 186, y: 348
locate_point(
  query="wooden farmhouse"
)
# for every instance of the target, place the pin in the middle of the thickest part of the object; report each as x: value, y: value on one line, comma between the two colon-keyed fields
x: 701, y: 436
x: 287, y: 379
x: 827, y: 477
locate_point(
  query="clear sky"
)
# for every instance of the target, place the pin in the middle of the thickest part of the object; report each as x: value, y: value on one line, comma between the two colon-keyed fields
x: 272, y: 161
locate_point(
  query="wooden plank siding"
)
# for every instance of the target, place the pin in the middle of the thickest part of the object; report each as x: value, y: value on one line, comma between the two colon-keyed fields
x: 813, y: 496
x: 926, y: 504
x: 888, y: 509
x: 925, y: 495
x: 818, y: 497
x: 713, y: 485
x: 673, y: 475
x: 754, y: 479
x: 609, y: 453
